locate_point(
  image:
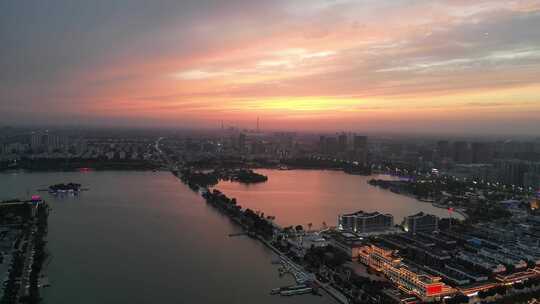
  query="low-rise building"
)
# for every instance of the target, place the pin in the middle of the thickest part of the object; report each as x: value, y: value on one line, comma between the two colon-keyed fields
x: 485, y: 263
x: 347, y: 242
x: 301, y: 243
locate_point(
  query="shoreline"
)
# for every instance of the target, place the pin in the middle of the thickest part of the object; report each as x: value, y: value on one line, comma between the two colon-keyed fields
x: 459, y: 211
x: 332, y: 292
x: 86, y: 170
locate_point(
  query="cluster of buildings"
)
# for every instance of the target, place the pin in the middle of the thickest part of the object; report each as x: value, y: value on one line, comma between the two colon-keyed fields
x: 507, y: 162
x: 430, y: 262
x: 520, y: 173
x: 233, y: 143
x: 48, y: 145
x: 18, y: 233
x: 407, y: 277
x: 366, y: 223
x: 118, y: 150
x: 345, y: 146
x: 510, y: 162
x: 486, y: 152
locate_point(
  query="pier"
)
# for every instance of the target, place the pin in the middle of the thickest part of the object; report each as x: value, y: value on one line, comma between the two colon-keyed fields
x: 301, y: 273
x: 237, y: 234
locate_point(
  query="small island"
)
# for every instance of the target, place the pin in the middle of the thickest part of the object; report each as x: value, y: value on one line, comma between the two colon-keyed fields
x: 195, y: 178
x: 71, y: 188
x: 244, y: 176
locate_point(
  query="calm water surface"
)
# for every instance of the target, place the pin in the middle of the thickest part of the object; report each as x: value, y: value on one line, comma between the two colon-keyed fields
x: 143, y: 237
x: 314, y: 196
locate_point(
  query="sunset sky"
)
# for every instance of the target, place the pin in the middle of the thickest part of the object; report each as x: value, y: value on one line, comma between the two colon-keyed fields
x: 364, y: 65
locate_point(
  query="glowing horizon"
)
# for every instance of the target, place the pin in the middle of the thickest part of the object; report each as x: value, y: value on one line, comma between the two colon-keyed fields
x: 320, y: 65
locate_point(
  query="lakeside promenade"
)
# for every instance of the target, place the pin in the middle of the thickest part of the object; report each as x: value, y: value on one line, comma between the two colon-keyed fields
x: 334, y: 293
x: 298, y: 270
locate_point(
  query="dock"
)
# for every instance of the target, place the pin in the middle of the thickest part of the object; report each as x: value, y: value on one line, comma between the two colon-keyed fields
x: 337, y: 295
x: 237, y: 234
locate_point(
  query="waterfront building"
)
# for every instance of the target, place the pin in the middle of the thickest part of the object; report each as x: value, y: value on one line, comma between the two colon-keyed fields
x: 301, y: 243
x: 421, y: 222
x: 347, y: 242
x: 364, y: 222
x: 378, y: 257
x: 406, y: 277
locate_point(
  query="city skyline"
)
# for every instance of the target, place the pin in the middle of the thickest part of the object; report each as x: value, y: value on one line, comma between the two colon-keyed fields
x: 407, y: 66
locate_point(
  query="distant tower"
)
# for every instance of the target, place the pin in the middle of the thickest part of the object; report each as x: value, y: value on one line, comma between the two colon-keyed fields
x: 257, y: 124
x: 222, y: 127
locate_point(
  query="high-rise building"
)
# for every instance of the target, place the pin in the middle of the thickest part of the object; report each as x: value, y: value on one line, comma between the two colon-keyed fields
x: 342, y: 142
x: 363, y: 222
x: 443, y: 149
x: 421, y: 222
x: 53, y: 142
x: 482, y: 152
x: 36, y: 141
x: 462, y: 153
x: 360, y: 148
x: 395, y: 149
x: 360, y: 142
x: 331, y: 145
x: 531, y: 180
x: 322, y: 144
x: 512, y: 172
x: 242, y: 142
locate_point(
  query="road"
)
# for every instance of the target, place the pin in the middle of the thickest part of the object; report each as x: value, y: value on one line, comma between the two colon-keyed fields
x: 170, y: 165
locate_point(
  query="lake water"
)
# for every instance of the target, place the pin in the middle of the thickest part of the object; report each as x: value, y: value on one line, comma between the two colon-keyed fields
x: 143, y: 237
x: 298, y: 197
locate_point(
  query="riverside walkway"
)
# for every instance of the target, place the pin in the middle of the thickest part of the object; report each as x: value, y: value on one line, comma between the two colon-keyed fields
x: 302, y: 273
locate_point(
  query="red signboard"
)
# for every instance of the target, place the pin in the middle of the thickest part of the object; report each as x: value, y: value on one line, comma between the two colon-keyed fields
x: 434, y: 289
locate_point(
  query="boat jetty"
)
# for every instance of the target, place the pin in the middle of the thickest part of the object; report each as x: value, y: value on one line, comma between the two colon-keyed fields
x: 292, y: 290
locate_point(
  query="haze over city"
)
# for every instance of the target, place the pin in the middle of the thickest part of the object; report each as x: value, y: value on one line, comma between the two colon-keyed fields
x: 396, y: 66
